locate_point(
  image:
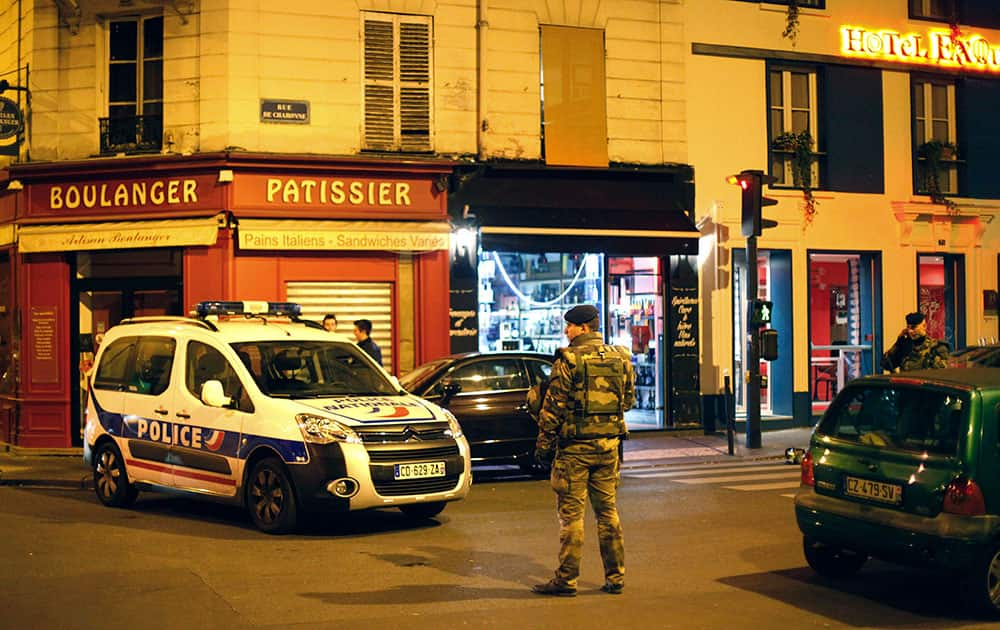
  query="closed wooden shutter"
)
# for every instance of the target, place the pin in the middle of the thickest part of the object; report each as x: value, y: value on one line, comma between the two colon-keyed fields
x: 397, y: 74
x: 349, y: 301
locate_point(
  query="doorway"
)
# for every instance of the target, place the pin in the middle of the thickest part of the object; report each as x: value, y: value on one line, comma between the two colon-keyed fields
x: 941, y: 296
x: 635, y: 320
x: 108, y: 287
x: 774, y: 284
x: 844, y: 313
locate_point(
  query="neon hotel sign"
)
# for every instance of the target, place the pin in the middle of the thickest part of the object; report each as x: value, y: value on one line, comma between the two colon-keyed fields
x: 936, y: 48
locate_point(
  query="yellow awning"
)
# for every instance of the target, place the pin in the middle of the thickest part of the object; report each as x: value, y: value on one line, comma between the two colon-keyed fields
x: 392, y: 236
x: 117, y: 235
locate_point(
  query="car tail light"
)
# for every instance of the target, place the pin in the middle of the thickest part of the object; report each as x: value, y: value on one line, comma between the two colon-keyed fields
x: 808, y: 478
x: 963, y: 496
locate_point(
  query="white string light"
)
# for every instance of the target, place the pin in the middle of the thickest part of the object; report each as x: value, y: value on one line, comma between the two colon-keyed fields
x: 525, y: 298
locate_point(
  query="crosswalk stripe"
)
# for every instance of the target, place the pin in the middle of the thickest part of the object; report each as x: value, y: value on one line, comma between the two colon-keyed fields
x: 730, y: 478
x: 705, y: 471
x: 655, y: 465
x: 778, y: 485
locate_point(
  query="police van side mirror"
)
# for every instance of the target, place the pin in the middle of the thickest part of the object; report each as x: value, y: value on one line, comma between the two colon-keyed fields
x: 213, y: 395
x: 449, y: 390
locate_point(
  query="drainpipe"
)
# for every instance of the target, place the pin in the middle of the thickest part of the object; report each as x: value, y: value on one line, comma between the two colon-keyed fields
x: 482, y: 27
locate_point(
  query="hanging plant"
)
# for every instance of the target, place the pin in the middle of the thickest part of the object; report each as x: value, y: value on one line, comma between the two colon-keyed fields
x: 934, y: 152
x: 792, y: 22
x: 800, y: 145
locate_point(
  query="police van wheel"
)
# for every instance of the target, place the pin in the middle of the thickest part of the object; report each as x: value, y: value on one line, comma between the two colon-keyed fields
x: 110, y: 478
x: 422, y: 510
x: 270, y: 497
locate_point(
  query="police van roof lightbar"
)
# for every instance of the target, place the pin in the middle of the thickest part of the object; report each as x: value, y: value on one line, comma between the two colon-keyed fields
x: 285, y: 309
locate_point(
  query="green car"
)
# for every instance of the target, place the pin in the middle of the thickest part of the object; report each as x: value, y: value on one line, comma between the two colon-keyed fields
x: 906, y: 468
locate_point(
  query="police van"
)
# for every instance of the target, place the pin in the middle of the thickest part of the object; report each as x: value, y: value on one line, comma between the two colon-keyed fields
x: 249, y: 403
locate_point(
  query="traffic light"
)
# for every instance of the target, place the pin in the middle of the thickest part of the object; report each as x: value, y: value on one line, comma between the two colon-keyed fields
x: 752, y: 184
x: 760, y: 312
x: 769, y: 344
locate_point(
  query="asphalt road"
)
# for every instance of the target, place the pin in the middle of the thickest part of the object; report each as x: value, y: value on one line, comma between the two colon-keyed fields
x: 706, y: 547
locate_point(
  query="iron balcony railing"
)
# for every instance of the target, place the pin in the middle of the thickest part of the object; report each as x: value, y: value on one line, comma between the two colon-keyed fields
x: 131, y: 134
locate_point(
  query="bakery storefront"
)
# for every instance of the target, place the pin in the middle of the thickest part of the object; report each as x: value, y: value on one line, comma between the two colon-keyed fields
x: 532, y: 241
x: 86, y: 244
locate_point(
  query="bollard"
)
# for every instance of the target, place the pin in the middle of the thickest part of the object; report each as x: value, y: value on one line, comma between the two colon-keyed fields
x: 730, y: 415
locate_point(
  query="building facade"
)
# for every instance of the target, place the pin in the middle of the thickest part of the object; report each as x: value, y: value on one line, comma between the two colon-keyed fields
x: 386, y: 159
x: 898, y: 101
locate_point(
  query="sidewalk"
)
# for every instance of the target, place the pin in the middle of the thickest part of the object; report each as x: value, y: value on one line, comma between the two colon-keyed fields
x: 65, y: 468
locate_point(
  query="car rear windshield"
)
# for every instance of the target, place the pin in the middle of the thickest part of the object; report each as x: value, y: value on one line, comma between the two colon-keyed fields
x: 909, y: 418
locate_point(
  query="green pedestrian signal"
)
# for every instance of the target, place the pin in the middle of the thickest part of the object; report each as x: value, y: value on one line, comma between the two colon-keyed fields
x: 760, y: 312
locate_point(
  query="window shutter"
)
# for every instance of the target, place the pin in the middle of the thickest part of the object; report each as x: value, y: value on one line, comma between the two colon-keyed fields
x: 979, y: 136
x: 349, y: 301
x: 397, y: 82
x: 852, y: 129
x: 414, y: 97
x: 379, y: 85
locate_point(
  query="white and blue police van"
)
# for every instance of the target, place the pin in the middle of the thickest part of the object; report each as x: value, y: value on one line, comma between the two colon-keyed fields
x: 248, y: 403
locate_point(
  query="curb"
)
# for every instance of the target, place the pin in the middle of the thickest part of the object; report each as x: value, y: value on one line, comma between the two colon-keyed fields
x: 84, y: 483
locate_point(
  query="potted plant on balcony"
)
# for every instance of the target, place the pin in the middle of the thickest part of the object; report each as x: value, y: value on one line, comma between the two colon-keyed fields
x: 800, y: 146
x: 933, y: 153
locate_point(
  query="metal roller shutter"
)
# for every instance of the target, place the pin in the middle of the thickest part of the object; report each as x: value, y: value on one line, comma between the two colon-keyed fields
x: 349, y: 301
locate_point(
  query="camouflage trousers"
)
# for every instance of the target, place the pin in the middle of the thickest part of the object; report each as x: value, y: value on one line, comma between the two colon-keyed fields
x: 575, y: 477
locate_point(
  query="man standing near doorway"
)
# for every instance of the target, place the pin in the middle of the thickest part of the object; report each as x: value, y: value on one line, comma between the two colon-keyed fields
x: 915, y: 349
x: 363, y: 333
x: 580, y: 426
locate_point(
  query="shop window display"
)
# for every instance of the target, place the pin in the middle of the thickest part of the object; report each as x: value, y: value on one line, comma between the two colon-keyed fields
x: 522, y: 297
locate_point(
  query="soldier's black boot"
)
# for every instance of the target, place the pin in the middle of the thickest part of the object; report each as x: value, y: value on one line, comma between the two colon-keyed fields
x: 553, y: 587
x: 614, y: 589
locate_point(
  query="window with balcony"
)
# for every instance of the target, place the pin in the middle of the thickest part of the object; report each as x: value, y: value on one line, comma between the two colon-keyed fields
x: 135, y: 86
x: 397, y: 72
x: 793, y: 109
x: 934, y: 135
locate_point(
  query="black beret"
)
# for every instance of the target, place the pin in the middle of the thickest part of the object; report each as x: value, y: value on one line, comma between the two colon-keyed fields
x: 581, y: 314
x: 913, y: 319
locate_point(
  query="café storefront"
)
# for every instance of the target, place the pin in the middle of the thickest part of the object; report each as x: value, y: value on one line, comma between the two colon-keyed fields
x: 86, y: 244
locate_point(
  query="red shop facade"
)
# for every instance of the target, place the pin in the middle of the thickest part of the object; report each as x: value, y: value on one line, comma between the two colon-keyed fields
x: 86, y: 244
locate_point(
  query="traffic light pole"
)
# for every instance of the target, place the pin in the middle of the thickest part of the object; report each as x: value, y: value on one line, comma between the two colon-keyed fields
x: 752, y: 368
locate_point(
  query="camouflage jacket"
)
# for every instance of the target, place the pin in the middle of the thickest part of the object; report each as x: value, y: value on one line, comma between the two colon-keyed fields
x: 916, y: 354
x: 562, y: 420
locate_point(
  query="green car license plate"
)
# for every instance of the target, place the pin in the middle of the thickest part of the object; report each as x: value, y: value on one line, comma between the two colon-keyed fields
x: 874, y: 490
x: 420, y: 470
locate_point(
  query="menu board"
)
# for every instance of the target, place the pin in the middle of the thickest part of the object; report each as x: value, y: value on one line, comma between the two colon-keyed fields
x: 683, y: 370
x: 44, y: 345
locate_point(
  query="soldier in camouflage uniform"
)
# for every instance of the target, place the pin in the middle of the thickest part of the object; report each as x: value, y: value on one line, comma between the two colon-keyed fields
x: 579, y: 427
x: 915, y: 349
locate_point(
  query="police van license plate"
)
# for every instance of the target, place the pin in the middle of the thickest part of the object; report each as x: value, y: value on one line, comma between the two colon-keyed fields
x: 419, y: 470
x: 874, y: 490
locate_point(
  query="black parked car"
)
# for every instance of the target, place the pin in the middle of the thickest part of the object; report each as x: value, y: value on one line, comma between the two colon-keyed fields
x: 976, y: 356
x: 486, y: 392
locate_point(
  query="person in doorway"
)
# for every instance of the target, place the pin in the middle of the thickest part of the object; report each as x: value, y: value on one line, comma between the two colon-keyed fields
x: 914, y: 349
x: 580, y: 425
x: 363, y: 334
x: 330, y: 322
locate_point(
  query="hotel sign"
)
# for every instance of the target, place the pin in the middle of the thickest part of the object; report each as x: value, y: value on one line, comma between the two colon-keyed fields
x: 940, y: 48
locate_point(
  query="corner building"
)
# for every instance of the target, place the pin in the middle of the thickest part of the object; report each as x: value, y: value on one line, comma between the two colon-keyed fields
x: 460, y: 172
x: 900, y: 101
